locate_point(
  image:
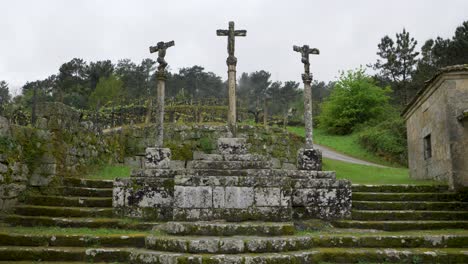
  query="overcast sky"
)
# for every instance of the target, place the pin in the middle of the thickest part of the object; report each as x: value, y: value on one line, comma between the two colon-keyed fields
x: 38, y: 36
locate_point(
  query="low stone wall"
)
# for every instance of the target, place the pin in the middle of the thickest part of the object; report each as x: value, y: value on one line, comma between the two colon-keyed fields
x: 60, y: 145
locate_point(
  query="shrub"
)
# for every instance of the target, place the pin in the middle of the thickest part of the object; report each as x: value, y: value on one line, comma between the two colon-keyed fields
x: 387, y: 139
x: 355, y: 99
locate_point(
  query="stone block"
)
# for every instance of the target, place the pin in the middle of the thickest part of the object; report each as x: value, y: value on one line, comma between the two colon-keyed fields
x: 238, y: 197
x: 157, y: 158
x: 267, y: 196
x: 187, y: 214
x: 309, y: 159
x: 193, y: 197
x: 232, y: 146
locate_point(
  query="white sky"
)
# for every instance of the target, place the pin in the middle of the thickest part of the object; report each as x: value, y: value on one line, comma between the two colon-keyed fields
x: 38, y: 36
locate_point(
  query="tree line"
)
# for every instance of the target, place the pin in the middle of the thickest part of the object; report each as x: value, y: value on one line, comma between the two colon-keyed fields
x: 84, y: 85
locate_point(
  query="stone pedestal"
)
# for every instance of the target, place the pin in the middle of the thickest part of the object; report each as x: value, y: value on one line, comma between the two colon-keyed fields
x: 232, y: 185
x: 309, y: 159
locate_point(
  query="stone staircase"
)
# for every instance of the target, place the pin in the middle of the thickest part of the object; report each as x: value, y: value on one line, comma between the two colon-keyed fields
x: 87, y: 203
x: 79, y: 203
x: 406, y: 207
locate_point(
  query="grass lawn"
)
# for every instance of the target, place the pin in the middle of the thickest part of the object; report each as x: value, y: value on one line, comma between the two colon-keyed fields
x: 110, y: 172
x: 362, y: 174
x: 347, y: 144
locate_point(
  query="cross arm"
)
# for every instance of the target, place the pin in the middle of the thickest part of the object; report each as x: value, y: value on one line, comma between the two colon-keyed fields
x: 313, y: 51
x: 240, y: 33
x: 222, y: 32
x: 169, y: 44
x: 297, y: 48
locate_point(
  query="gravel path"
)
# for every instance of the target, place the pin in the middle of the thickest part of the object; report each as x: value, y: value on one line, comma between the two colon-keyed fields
x: 331, y: 154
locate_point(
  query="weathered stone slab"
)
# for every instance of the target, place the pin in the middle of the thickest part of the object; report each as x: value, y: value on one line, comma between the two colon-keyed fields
x: 309, y: 159
x: 232, y: 146
x: 157, y: 158
x: 193, y: 197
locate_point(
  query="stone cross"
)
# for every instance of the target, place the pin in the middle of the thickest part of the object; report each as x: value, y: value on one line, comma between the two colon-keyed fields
x: 161, y: 48
x: 231, y: 62
x: 307, y: 79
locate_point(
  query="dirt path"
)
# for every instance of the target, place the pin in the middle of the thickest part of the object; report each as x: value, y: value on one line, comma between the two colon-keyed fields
x: 331, y: 154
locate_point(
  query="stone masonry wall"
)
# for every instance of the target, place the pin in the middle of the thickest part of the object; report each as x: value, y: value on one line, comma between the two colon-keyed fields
x: 58, y: 146
x: 183, y: 140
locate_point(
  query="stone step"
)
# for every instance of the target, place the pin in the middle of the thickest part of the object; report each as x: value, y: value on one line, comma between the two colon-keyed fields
x: 197, y: 155
x: 71, y: 240
x: 86, y: 192
x: 317, y: 255
x: 88, y: 183
x: 400, y: 225
x: 228, y: 245
x: 54, y: 262
x: 227, y: 165
x: 69, y: 201
x: 34, y: 210
x: 253, y: 244
x: 408, y: 205
x: 18, y: 253
x: 215, y: 228
x: 399, y: 188
x: 408, y: 215
x: 21, y: 220
x: 368, y: 196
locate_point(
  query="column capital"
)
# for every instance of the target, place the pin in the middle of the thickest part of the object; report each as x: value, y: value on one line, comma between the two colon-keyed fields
x: 307, y: 78
x: 231, y: 61
x: 161, y: 75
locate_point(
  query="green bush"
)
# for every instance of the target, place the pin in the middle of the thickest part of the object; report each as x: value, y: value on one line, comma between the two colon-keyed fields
x: 355, y: 99
x: 386, y: 139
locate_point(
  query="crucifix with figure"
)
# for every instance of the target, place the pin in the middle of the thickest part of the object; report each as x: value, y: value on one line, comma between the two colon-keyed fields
x: 159, y: 157
x: 231, y: 62
x: 308, y: 157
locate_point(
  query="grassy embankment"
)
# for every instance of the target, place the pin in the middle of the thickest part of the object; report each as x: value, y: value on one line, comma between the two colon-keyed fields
x: 359, y: 174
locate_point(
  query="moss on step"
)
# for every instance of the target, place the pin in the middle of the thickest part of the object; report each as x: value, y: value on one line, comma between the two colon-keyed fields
x: 399, y: 188
x: 401, y: 225
x: 87, y: 182
x: 75, y: 222
x: 69, y: 201
x: 54, y: 211
x: 409, y: 205
x: 384, y: 215
x: 368, y: 196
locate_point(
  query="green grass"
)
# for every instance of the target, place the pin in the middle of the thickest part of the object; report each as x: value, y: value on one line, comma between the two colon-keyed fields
x: 358, y: 174
x: 110, y: 172
x: 347, y: 144
x: 362, y: 174
x: 40, y: 230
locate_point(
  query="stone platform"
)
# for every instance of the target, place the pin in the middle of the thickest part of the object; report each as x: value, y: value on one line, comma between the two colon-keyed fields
x: 232, y: 185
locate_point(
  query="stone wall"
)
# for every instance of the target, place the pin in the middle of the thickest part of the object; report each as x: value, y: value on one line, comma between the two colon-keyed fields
x: 60, y: 145
x: 183, y: 140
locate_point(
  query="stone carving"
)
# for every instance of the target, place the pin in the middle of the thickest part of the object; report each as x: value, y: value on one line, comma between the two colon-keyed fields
x: 231, y: 62
x: 308, y: 158
x: 161, y: 48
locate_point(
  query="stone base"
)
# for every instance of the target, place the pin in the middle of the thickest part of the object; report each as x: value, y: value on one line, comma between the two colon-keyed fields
x: 231, y: 186
x: 157, y: 158
x: 309, y: 159
x: 228, y: 146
